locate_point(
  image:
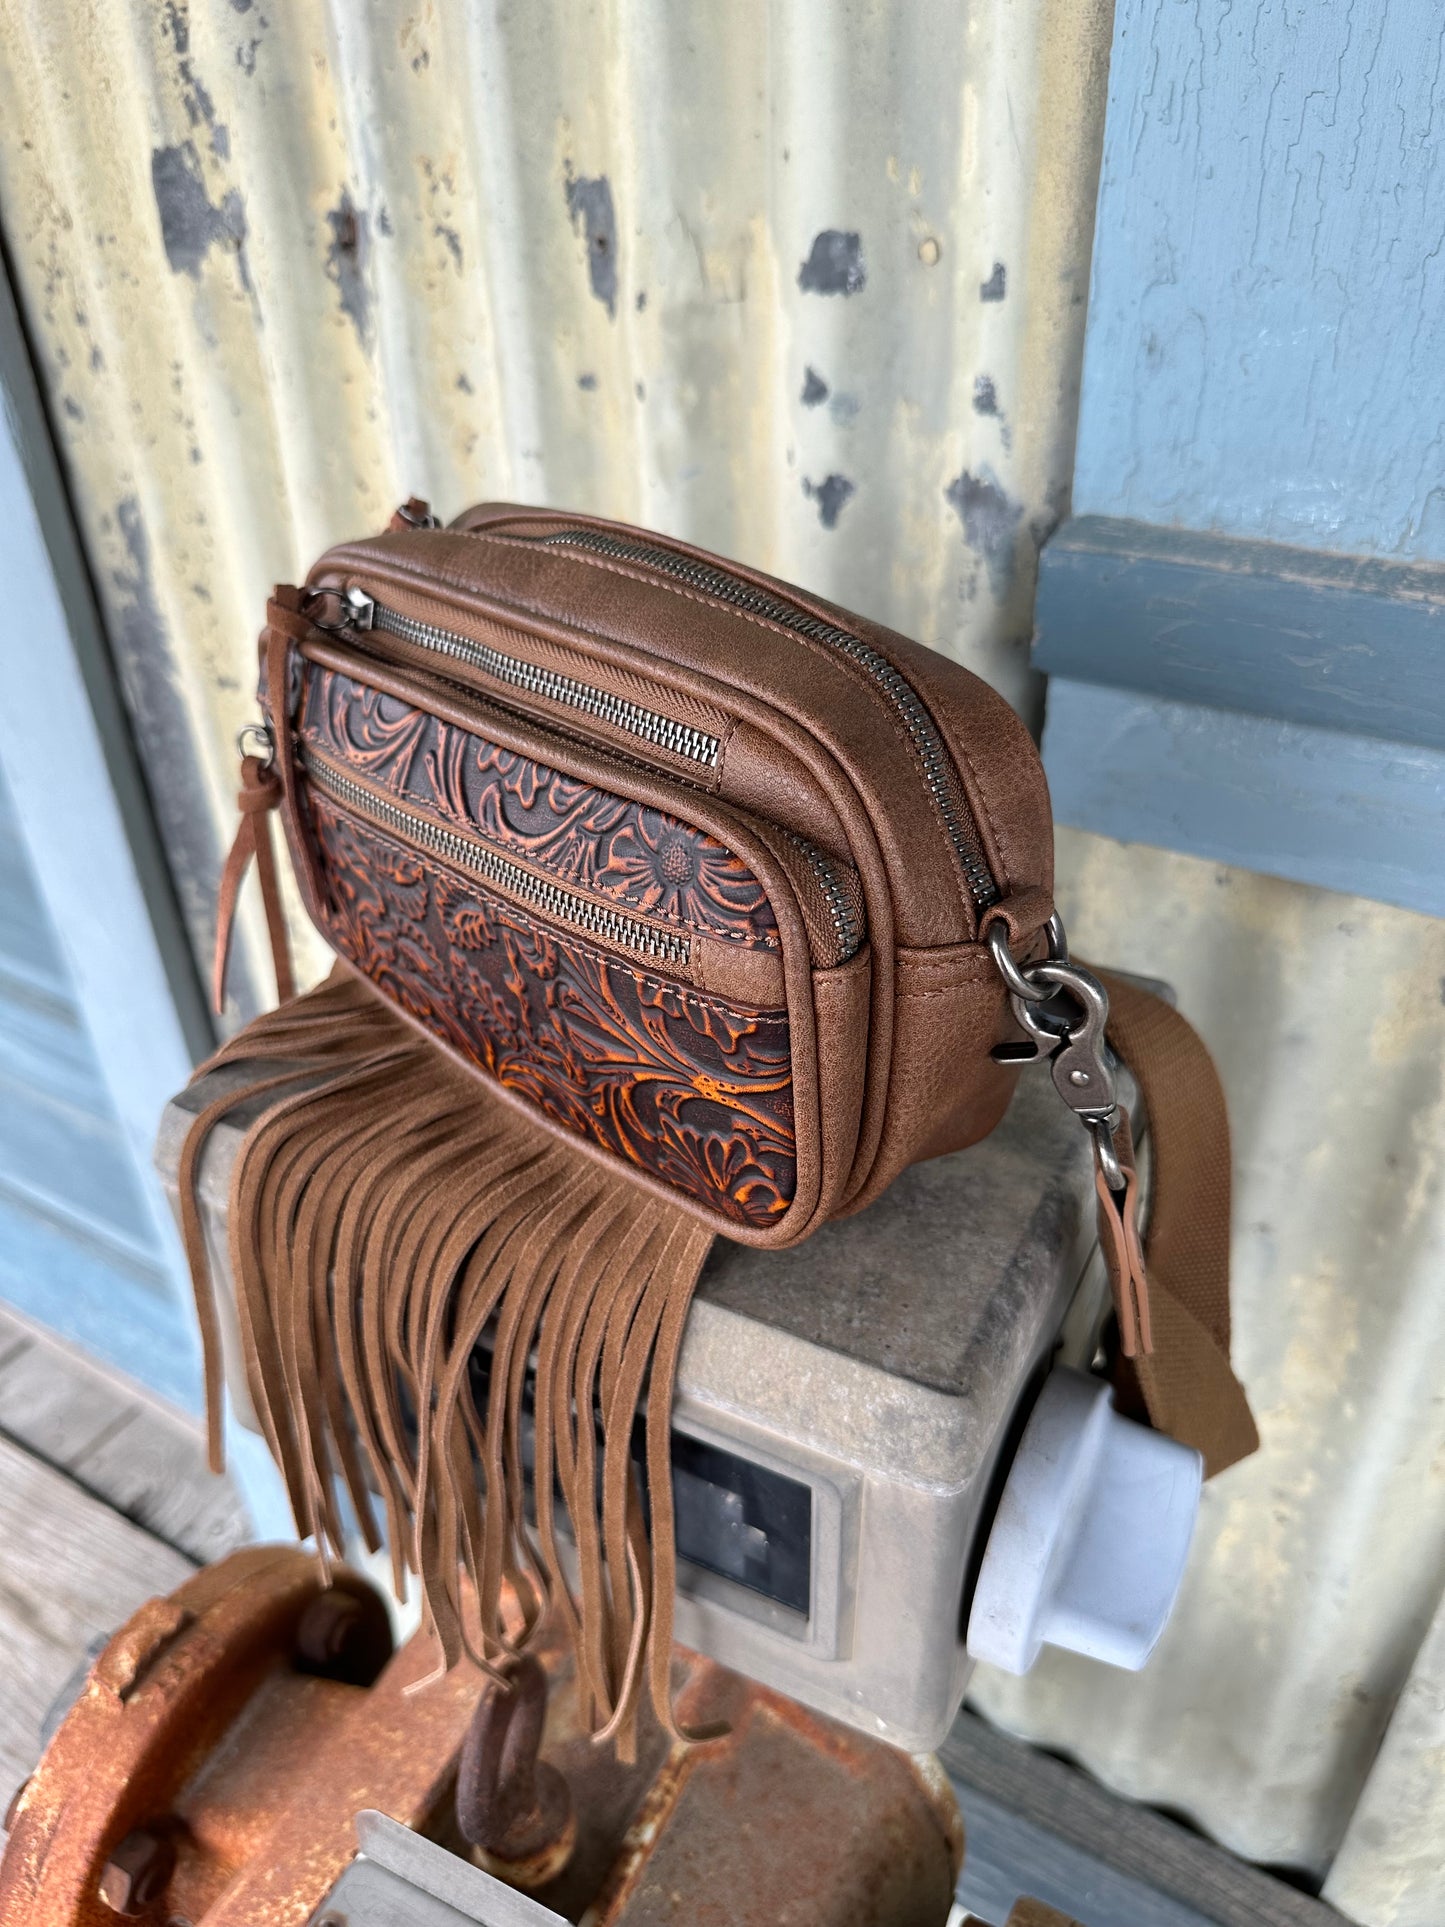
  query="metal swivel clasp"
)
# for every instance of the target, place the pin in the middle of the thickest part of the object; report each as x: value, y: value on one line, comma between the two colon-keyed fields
x: 1065, y: 1010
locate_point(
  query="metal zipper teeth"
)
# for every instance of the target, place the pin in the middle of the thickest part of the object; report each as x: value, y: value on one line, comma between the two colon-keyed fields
x: 937, y: 763
x: 847, y: 923
x: 659, y: 732
x: 563, y: 906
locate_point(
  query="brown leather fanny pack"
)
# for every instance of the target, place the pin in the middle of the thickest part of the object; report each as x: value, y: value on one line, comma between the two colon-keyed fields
x: 697, y: 867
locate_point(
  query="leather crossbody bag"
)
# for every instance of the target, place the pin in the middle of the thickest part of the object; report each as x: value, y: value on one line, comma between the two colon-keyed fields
x: 744, y: 899
x: 698, y: 867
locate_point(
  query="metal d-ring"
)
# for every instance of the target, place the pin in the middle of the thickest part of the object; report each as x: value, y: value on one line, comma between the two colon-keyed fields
x: 262, y: 731
x: 1013, y: 975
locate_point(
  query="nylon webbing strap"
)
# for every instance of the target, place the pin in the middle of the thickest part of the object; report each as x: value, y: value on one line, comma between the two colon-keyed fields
x: 1185, y: 1383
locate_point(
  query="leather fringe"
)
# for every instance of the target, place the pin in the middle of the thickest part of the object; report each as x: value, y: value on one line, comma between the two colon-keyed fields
x: 389, y: 1215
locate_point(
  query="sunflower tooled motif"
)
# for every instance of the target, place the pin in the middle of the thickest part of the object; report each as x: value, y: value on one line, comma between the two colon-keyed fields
x: 670, y: 869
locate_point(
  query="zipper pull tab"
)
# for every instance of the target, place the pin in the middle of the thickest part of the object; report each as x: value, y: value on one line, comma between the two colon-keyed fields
x: 360, y: 609
x: 336, y: 609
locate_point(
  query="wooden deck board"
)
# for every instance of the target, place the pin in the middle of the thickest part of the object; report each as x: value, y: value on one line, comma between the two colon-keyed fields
x: 70, y: 1568
x: 120, y: 1445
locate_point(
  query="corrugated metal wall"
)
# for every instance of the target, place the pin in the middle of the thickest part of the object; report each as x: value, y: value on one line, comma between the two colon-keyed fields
x: 803, y: 281
x: 807, y: 283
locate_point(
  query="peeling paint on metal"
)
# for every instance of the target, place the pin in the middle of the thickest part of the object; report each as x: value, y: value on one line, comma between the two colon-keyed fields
x: 830, y: 494
x: 815, y: 389
x: 990, y: 521
x: 834, y: 264
x: 996, y: 286
x: 190, y: 224
x: 200, y: 108
x: 589, y: 203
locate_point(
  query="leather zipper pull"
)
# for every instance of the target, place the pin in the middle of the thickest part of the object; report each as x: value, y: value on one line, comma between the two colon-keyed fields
x: 1119, y: 1240
x: 259, y: 794
x: 414, y: 513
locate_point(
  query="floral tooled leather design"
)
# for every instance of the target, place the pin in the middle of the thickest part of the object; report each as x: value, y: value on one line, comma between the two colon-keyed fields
x: 693, y: 1090
x: 632, y: 855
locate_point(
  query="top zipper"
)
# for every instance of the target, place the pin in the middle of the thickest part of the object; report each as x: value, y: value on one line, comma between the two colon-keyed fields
x: 693, y: 745
x: 939, y: 773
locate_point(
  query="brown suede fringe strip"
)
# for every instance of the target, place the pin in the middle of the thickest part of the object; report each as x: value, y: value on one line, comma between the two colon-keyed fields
x: 387, y: 1213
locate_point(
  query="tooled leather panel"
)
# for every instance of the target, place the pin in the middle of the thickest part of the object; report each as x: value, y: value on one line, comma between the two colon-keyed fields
x: 693, y: 1090
x: 633, y: 855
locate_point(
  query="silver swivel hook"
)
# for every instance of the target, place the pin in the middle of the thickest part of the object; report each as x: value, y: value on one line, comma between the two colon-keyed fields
x: 1065, y: 1011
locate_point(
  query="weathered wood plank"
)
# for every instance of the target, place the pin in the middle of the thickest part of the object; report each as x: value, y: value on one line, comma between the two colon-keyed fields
x: 144, y: 1460
x: 83, y: 1291
x: 1337, y: 641
x: 1048, y: 1830
x: 54, y: 1408
x: 70, y: 1569
x: 156, y: 1475
x: 1315, y: 805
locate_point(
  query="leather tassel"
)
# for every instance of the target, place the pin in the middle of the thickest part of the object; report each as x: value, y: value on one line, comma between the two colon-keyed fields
x: 392, y: 1220
x: 1123, y: 1253
x: 258, y: 796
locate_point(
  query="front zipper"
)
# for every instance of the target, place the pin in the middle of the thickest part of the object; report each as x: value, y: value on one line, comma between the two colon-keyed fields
x: 939, y: 772
x: 366, y: 615
x: 693, y: 745
x: 846, y: 916
x: 539, y: 893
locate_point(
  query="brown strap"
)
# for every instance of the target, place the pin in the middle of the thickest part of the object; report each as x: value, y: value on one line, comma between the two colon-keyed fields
x: 1173, y: 1300
x: 259, y: 795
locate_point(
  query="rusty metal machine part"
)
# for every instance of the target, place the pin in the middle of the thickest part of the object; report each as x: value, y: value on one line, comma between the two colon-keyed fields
x: 513, y: 1807
x: 210, y: 1772
x: 186, y: 1784
x: 219, y: 1763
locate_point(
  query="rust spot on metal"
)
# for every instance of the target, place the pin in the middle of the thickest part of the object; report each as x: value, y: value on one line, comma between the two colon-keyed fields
x: 139, y: 1870
x: 136, y: 1647
x: 346, y: 264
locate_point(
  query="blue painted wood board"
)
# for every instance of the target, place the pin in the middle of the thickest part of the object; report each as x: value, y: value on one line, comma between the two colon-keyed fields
x: 53, y: 1276
x: 1341, y: 642
x: 1320, y: 806
x: 79, y: 1249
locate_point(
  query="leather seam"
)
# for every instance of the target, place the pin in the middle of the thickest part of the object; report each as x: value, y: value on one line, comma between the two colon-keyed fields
x: 938, y: 990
